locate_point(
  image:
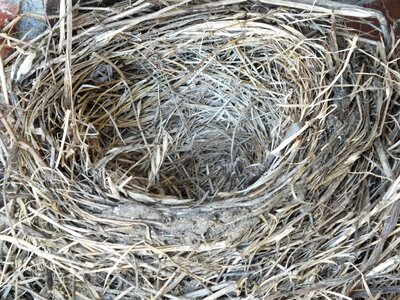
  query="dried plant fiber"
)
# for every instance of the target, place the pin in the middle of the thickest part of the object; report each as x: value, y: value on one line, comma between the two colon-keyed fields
x: 200, y: 150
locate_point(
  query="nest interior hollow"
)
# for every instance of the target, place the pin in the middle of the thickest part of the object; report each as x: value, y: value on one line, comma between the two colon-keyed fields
x: 196, y: 120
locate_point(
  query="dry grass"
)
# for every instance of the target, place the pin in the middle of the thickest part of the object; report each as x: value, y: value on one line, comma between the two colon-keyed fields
x: 181, y: 150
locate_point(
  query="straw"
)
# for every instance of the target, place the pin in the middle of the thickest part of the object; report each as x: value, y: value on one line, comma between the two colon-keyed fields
x: 200, y: 150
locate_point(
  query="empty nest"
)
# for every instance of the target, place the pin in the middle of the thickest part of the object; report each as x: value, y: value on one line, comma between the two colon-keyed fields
x: 182, y: 150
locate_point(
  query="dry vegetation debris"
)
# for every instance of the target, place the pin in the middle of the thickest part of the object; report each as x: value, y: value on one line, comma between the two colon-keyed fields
x: 186, y: 150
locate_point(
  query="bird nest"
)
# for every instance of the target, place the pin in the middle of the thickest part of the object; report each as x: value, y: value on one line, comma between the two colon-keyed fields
x: 186, y: 150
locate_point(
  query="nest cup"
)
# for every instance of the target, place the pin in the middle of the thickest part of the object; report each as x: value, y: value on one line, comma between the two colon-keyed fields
x: 191, y: 121
x: 187, y: 150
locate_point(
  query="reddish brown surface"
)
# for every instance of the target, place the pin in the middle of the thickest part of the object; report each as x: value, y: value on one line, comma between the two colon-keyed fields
x: 8, y: 12
x: 393, y: 9
x: 389, y: 8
